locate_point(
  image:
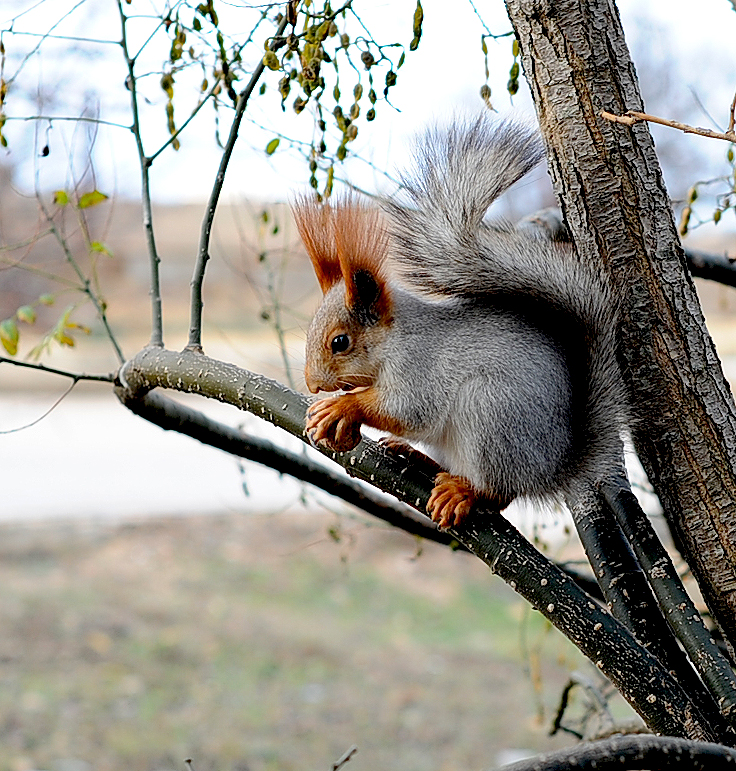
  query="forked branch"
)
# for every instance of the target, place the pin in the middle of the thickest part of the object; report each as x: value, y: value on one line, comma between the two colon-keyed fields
x: 489, y: 536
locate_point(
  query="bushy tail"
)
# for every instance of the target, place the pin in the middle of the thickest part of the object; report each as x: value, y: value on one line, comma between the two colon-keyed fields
x: 459, y: 172
x: 442, y: 246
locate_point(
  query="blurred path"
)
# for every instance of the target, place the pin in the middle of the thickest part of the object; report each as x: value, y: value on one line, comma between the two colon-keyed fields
x: 91, y: 457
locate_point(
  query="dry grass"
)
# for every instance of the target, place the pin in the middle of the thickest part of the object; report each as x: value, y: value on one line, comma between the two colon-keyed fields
x: 259, y: 643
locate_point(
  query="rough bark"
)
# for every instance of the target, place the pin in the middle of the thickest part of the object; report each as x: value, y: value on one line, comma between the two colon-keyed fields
x: 610, y: 188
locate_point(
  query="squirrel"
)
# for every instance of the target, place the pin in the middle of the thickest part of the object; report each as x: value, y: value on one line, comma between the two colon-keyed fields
x: 492, y: 346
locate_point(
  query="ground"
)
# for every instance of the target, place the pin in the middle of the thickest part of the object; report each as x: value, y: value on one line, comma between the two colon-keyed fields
x: 263, y: 642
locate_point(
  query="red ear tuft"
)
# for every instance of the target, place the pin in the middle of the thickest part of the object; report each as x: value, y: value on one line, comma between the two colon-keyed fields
x: 362, y: 245
x: 314, y: 221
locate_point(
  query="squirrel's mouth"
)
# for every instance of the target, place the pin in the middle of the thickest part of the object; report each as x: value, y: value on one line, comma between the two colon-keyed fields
x: 351, y: 388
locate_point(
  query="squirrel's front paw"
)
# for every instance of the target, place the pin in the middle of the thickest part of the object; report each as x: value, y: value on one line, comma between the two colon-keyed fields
x: 451, y: 500
x: 334, y: 423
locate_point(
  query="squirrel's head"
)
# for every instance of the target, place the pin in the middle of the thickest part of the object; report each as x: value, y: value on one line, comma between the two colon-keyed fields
x: 347, y: 246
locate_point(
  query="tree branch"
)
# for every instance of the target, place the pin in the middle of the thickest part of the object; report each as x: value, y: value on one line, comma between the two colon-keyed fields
x: 641, y: 679
x: 713, y: 267
x: 632, y: 117
x: 203, y: 255
x: 172, y: 416
x: 632, y: 753
x: 675, y: 602
x: 629, y: 595
x: 76, y: 376
x: 157, y: 325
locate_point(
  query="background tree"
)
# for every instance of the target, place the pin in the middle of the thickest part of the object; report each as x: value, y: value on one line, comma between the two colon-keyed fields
x: 577, y: 64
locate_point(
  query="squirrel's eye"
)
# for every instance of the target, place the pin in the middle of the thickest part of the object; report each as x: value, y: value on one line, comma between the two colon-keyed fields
x: 340, y: 343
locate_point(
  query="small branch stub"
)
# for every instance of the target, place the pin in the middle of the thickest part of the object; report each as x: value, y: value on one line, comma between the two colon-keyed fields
x: 632, y: 117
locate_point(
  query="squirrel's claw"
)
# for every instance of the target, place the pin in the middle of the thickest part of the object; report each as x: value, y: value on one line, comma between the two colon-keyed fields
x: 451, y: 500
x: 334, y: 423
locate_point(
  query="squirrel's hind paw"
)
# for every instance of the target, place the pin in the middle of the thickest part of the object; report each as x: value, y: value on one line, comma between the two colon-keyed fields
x: 451, y: 500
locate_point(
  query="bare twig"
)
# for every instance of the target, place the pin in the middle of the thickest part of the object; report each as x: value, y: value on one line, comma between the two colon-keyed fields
x: 70, y: 118
x: 45, y: 414
x: 195, y: 326
x: 344, y: 758
x: 74, y: 38
x: 633, y: 117
x: 191, y: 117
x: 157, y: 331
x: 76, y: 376
x: 43, y: 37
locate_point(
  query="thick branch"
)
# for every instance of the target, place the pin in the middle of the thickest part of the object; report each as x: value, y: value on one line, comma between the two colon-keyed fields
x: 633, y: 753
x: 713, y: 267
x: 673, y: 599
x: 172, y: 416
x: 629, y: 595
x: 642, y: 680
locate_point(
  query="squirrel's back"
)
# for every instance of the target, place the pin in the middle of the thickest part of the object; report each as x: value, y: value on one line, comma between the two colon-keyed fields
x: 442, y: 246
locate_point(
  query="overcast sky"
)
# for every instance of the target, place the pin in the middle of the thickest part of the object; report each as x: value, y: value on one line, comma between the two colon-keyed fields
x: 692, y: 52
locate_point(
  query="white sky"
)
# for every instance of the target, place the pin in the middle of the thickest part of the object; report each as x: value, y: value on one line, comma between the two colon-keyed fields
x: 442, y: 78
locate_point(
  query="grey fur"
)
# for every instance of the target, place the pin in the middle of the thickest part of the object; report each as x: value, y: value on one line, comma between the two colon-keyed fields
x: 512, y: 378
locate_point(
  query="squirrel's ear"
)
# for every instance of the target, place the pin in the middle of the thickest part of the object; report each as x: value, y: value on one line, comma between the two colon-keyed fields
x: 314, y: 221
x: 362, y: 245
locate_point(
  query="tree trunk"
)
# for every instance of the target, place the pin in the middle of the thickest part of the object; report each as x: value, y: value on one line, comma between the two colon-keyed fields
x: 609, y: 184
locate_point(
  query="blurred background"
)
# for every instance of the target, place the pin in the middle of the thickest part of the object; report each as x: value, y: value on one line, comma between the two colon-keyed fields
x: 162, y: 600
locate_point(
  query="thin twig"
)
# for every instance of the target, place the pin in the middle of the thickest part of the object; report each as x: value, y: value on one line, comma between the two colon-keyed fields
x: 732, y: 116
x: 45, y: 36
x: 181, y: 128
x: 86, y: 287
x: 343, y: 759
x: 157, y: 324
x: 633, y: 117
x: 76, y: 376
x: 71, y: 118
x: 195, y: 326
x: 45, y: 414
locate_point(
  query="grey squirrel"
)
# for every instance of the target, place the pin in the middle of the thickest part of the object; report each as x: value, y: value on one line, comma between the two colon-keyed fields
x: 491, y: 346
